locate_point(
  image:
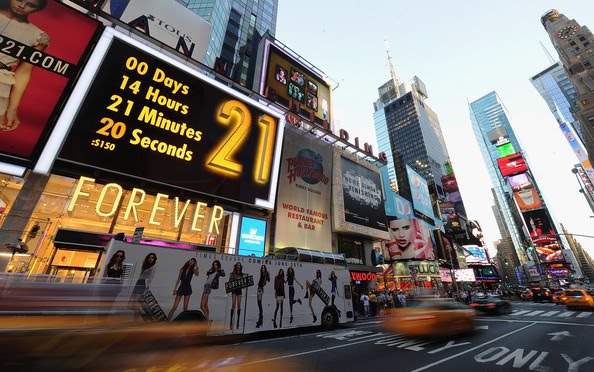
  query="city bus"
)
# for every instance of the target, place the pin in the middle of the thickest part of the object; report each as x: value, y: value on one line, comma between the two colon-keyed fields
x: 233, y: 293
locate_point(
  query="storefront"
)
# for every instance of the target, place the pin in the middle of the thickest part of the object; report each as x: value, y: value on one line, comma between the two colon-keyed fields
x: 412, y: 275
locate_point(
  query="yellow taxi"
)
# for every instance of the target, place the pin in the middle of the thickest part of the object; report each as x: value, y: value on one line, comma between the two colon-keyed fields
x: 579, y: 298
x: 432, y: 318
x: 559, y: 298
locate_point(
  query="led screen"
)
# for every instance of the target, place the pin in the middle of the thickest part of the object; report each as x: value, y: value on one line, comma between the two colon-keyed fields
x: 520, y: 182
x: 449, y: 183
x: 154, y: 120
x: 505, y: 150
x: 475, y: 255
x: 252, y: 237
x: 292, y: 84
x: 528, y: 199
x: 512, y: 164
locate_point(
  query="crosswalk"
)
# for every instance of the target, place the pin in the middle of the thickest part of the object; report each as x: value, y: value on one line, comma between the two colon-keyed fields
x: 554, y: 313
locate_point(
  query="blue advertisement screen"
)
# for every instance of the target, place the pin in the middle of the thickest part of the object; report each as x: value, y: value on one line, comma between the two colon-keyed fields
x: 252, y: 237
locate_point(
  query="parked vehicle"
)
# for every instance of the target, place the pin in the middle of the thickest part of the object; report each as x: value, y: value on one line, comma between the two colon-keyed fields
x: 541, y: 294
x: 492, y: 304
x: 579, y: 298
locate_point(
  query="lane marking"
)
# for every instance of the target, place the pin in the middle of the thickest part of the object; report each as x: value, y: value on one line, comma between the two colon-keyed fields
x: 471, y: 349
x: 534, y: 313
x: 550, y: 313
x: 584, y: 315
x: 536, y: 322
x: 520, y: 312
x: 566, y: 314
x: 315, y: 351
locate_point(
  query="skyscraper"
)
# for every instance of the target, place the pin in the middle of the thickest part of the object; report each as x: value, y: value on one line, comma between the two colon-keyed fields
x: 237, y: 28
x: 574, y: 46
x: 559, y: 93
x: 517, y: 194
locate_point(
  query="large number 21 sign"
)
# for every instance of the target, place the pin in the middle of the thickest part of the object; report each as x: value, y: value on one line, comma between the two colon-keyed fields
x: 145, y: 117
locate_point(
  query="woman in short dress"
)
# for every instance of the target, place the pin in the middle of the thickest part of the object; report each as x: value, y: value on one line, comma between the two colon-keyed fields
x: 264, y: 277
x: 143, y: 282
x: 212, y: 282
x: 279, y: 292
x: 186, y: 273
x: 236, y: 294
x: 290, y: 282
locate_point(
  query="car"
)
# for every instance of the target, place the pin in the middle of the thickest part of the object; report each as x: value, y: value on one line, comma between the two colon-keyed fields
x: 492, y: 304
x: 432, y: 318
x: 559, y: 297
x: 526, y: 295
x: 541, y: 294
x: 579, y: 298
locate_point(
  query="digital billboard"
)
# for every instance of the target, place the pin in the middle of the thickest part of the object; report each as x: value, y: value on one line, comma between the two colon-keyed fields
x: 528, y: 199
x: 409, y: 238
x: 512, y: 164
x: 40, y: 60
x: 505, y: 150
x: 420, y: 195
x: 449, y: 183
x: 464, y: 275
x: 147, y: 116
x: 304, y: 193
x: 520, y: 182
x: 538, y: 223
x: 295, y: 86
x: 363, y: 197
x: 166, y: 21
x: 252, y: 237
x: 475, y: 255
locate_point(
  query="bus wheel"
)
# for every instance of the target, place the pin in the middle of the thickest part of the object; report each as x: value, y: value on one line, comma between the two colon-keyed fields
x: 329, y: 318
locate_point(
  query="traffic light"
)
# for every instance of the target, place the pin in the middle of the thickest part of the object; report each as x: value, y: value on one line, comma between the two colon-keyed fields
x: 506, y: 262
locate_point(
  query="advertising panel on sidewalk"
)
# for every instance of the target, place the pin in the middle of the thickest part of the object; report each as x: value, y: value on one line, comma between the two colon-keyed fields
x: 156, y: 119
x: 40, y: 61
x: 304, y: 193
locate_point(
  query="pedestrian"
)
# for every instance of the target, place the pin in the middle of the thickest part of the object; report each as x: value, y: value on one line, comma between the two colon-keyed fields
x: 365, y: 301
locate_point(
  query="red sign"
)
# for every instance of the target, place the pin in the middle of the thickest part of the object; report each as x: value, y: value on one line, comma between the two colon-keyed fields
x: 358, y: 275
x: 512, y: 164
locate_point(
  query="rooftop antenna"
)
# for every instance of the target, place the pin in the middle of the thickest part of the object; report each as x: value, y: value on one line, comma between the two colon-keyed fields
x: 551, y: 59
x: 393, y: 75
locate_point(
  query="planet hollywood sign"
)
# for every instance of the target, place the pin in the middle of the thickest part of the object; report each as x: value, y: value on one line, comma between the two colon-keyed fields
x: 343, y: 136
x: 358, y: 275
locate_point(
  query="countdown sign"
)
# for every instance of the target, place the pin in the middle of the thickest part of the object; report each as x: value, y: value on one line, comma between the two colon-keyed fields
x: 147, y: 116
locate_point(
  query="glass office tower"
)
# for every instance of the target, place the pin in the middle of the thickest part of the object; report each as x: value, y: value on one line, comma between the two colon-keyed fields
x: 237, y: 28
x: 496, y: 140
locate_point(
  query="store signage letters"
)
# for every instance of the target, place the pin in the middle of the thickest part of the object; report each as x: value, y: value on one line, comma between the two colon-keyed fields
x: 137, y: 199
x: 344, y: 136
x: 357, y: 275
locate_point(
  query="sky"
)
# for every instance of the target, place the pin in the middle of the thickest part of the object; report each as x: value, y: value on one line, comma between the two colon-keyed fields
x: 461, y: 50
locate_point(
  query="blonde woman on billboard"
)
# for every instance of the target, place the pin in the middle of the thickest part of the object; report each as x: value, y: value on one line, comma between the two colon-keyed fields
x: 14, y: 74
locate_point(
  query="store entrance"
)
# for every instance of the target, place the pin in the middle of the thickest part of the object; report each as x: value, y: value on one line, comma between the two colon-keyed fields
x: 71, y: 274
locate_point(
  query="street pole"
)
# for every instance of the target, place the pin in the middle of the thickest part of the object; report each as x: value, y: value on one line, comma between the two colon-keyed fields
x: 454, y: 282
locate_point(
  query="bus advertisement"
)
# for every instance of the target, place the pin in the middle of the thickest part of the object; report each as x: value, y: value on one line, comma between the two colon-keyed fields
x: 234, y: 294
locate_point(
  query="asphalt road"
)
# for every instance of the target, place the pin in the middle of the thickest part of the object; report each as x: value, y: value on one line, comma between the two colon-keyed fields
x: 535, y: 337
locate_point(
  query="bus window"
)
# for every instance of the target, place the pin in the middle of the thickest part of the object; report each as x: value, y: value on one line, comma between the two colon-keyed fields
x: 347, y: 292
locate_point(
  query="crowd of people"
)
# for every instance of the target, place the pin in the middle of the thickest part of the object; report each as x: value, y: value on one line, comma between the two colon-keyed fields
x: 375, y: 302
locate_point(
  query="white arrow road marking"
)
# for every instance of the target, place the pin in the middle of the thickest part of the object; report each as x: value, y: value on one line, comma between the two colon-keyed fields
x: 558, y: 336
x: 482, y: 327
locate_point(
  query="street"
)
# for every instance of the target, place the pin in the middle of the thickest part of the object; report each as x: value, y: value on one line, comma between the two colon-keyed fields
x: 536, y: 337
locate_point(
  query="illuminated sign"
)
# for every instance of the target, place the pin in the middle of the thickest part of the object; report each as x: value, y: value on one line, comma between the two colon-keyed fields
x: 111, y: 196
x: 420, y: 196
x: 464, y: 275
x: 512, y: 164
x: 528, y: 199
x: 158, y: 120
x: 505, y: 150
x: 475, y: 255
x: 445, y: 274
x: 362, y: 276
x: 252, y: 237
x: 449, y: 183
x: 54, y: 54
x: 298, y: 88
x: 520, y: 182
